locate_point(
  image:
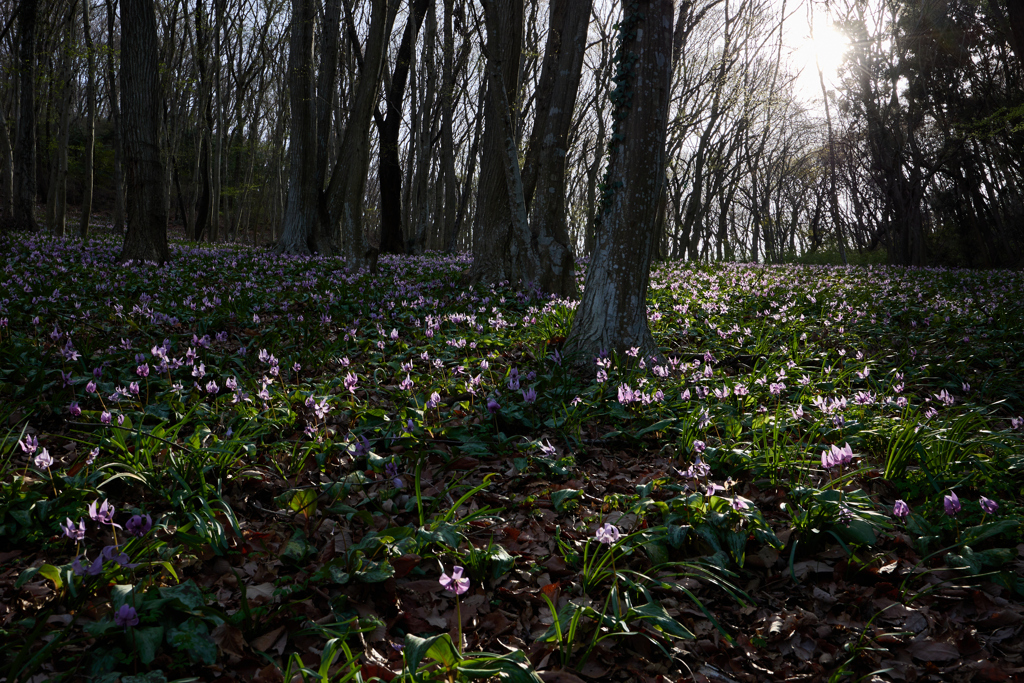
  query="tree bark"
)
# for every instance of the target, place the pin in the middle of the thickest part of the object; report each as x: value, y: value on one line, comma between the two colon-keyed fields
x: 146, y: 237
x: 345, y: 193
x: 115, y: 115
x: 300, y: 228
x: 389, y: 168
x: 25, y: 138
x: 612, y: 315
x: 90, y: 121
x: 544, y: 175
x: 492, y: 229
x: 447, y: 127
x: 6, y: 174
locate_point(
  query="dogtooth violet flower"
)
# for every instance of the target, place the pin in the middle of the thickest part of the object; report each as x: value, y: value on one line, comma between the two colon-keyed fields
x: 901, y: 509
x: 126, y: 616
x: 102, y: 513
x: 607, y: 534
x: 988, y: 506
x: 455, y: 583
x: 73, y: 532
x: 951, y: 503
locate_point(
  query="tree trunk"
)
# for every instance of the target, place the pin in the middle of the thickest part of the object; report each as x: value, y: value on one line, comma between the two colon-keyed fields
x: 25, y: 138
x: 115, y: 115
x: 146, y: 237
x: 345, y: 193
x: 90, y: 122
x: 612, y: 315
x: 544, y: 177
x: 300, y: 229
x: 389, y: 168
x: 57, y: 209
x: 6, y: 174
x: 447, y: 127
x: 492, y: 228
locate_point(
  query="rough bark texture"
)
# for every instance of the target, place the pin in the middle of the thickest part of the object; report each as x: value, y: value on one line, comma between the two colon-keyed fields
x: 115, y: 115
x: 492, y: 229
x: 544, y: 175
x: 447, y: 127
x: 612, y: 315
x: 300, y: 233
x: 25, y: 137
x: 6, y: 176
x: 90, y: 123
x: 389, y: 169
x: 346, y: 191
x: 146, y: 237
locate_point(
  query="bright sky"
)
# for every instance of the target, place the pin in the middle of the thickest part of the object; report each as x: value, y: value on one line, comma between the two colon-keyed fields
x: 827, y: 48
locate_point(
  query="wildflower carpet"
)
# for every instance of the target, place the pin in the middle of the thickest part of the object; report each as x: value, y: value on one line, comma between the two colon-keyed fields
x: 242, y: 467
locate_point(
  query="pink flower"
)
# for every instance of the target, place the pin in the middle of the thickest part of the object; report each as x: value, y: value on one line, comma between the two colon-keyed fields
x: 607, y: 534
x: 900, y: 509
x: 126, y: 616
x: 951, y: 503
x: 73, y: 532
x: 455, y: 583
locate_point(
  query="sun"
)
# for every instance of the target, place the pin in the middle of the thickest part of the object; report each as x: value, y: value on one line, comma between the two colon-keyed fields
x: 823, y: 48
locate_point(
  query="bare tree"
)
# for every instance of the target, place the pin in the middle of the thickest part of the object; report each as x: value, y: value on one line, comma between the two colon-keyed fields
x: 612, y: 314
x: 90, y: 120
x: 146, y: 237
x: 25, y: 138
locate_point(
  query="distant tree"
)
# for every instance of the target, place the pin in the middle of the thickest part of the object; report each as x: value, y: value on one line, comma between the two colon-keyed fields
x: 612, y: 314
x: 25, y: 136
x: 146, y: 237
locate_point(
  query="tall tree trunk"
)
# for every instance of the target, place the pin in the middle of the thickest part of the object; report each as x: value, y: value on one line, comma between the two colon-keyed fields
x: 389, y: 166
x: 90, y: 122
x: 492, y: 228
x: 58, y: 205
x: 612, y: 315
x: 544, y: 175
x: 204, y: 204
x: 25, y: 138
x: 345, y: 194
x: 146, y: 237
x: 421, y: 215
x: 447, y: 127
x: 300, y: 232
x: 6, y: 172
x: 115, y: 115
x: 471, y: 158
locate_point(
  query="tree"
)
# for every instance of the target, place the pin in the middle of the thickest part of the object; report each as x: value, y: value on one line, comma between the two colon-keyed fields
x: 146, y: 237
x: 612, y: 315
x: 506, y: 246
x: 25, y: 137
x: 90, y: 120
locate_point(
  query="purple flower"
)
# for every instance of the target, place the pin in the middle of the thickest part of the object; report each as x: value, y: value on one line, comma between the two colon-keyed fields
x: 455, y: 583
x: 699, y: 446
x: 900, y: 509
x: 102, y: 513
x: 529, y: 395
x: 73, y: 532
x: 493, y: 406
x: 350, y: 382
x: 951, y: 503
x: 29, y: 445
x: 139, y: 525
x: 43, y: 460
x: 607, y: 534
x: 92, y: 570
x: 142, y: 370
x: 126, y: 616
x: 988, y: 506
x: 211, y: 387
x: 90, y: 387
x: 105, y: 417
x: 75, y: 409
x: 406, y: 384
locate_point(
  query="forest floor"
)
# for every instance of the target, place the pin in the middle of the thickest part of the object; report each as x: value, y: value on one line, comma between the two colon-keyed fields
x: 242, y: 467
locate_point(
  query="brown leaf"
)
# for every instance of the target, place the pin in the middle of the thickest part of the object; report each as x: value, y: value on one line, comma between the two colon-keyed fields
x: 933, y: 651
x: 560, y: 677
x: 267, y: 640
x: 229, y: 639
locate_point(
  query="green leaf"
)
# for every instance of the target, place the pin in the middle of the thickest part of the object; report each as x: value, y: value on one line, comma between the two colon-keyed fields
x: 677, y: 535
x: 47, y: 571
x: 659, y: 426
x: 193, y: 638
x: 656, y: 552
x: 996, y: 557
x: 374, y: 572
x: 303, y: 501
x: 560, y: 498
x: 966, y: 560
x: 857, y: 531
x: 188, y: 594
x: 147, y: 642
x: 977, y: 533
x: 151, y: 677
x: 657, y: 616
x: 439, y: 648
